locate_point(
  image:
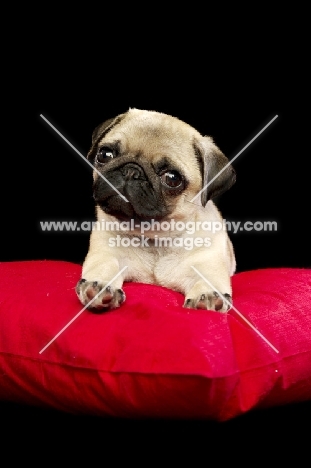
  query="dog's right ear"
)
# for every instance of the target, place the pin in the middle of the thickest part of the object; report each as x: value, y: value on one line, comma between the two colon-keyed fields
x: 100, y: 131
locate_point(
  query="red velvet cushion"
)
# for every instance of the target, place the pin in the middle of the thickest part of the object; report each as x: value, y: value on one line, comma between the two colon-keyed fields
x: 152, y: 357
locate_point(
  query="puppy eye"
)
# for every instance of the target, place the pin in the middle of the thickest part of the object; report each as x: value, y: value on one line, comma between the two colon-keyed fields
x: 172, y: 179
x: 104, y: 155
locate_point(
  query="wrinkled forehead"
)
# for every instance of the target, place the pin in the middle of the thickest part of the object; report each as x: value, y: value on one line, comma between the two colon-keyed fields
x: 154, y: 136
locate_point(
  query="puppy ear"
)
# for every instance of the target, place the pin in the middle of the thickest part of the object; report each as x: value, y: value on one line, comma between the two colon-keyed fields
x: 100, y: 131
x: 217, y: 174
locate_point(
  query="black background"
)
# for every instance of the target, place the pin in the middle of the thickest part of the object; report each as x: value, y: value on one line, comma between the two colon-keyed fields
x: 44, y: 179
x: 231, y: 99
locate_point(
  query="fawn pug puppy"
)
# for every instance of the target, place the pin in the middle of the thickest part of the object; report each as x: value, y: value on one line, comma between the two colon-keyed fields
x: 148, y: 169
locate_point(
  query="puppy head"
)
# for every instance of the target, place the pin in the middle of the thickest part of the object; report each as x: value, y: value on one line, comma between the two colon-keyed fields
x: 157, y: 162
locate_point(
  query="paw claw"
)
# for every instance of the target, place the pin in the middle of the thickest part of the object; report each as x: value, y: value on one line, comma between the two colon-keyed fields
x: 97, y: 298
x: 210, y: 301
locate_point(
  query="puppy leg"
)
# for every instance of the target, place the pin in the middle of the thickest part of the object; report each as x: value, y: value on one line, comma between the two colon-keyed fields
x: 98, y: 270
x: 213, y: 293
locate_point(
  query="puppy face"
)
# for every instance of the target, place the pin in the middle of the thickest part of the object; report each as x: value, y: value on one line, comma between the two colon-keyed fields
x: 158, y: 162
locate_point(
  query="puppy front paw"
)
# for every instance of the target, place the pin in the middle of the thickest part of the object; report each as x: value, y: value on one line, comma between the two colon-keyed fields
x: 210, y: 301
x: 103, y: 298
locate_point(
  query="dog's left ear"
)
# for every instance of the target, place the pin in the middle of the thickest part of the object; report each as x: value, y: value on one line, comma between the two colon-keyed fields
x: 216, y: 171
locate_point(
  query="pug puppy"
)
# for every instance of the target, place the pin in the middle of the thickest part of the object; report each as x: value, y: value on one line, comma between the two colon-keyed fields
x: 151, y: 226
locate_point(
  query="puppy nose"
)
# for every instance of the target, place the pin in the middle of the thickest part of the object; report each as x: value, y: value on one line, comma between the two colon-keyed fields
x: 132, y: 171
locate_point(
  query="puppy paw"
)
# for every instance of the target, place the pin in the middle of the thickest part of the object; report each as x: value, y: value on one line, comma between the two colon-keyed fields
x: 108, y: 299
x: 210, y: 301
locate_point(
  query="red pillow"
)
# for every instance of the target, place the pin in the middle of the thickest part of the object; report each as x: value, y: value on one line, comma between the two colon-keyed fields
x: 151, y: 357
